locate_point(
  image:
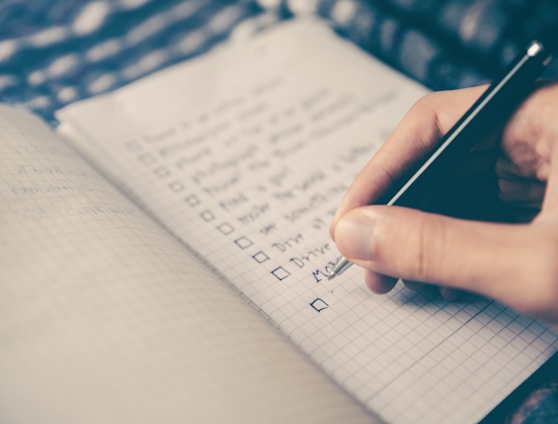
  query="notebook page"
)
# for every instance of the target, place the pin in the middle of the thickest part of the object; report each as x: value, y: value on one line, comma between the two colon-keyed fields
x: 244, y: 154
x: 104, y: 318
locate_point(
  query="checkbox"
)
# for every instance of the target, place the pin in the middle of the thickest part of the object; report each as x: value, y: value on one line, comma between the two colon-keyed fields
x: 280, y: 273
x: 225, y: 228
x: 207, y: 215
x: 260, y: 257
x: 243, y: 242
x: 319, y: 304
x: 192, y: 200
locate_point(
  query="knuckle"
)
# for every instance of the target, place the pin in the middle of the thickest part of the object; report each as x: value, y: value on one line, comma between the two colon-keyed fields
x: 426, y: 113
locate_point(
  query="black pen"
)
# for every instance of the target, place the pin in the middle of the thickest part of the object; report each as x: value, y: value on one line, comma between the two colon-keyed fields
x: 489, y: 113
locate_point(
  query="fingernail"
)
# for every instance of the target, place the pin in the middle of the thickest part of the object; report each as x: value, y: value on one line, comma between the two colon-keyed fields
x: 354, y: 236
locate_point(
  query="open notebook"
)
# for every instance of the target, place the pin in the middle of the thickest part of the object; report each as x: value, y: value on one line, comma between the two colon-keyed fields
x: 188, y: 283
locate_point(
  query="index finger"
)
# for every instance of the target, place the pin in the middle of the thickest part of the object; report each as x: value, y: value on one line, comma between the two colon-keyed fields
x: 423, y: 125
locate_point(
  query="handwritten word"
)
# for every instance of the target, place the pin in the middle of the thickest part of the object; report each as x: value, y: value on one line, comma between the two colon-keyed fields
x: 182, y: 145
x: 50, y: 170
x: 310, y: 207
x: 310, y: 181
x: 185, y: 162
x: 268, y: 229
x: 338, y: 104
x: 219, y: 167
x: 286, y: 133
x: 223, y: 185
x: 279, y: 178
x: 321, y: 274
x: 233, y: 202
x: 289, y: 150
x: 192, y: 140
x: 302, y: 261
x: 284, y: 245
x: 52, y: 188
x: 355, y: 153
x: 256, y: 212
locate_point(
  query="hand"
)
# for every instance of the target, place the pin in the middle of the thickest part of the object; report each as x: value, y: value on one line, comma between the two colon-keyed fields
x: 514, y: 263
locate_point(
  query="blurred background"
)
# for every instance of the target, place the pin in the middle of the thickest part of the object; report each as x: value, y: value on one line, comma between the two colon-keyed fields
x: 54, y: 52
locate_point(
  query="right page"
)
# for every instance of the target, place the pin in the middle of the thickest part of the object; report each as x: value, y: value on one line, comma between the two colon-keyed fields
x: 244, y: 154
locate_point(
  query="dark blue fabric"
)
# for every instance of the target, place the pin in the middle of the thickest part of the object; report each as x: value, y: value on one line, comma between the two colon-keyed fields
x: 54, y: 52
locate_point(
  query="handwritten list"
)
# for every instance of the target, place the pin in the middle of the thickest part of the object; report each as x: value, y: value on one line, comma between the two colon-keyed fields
x: 247, y: 171
x: 244, y: 155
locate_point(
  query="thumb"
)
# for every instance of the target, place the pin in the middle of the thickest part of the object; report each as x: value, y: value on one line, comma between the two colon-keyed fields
x: 417, y: 246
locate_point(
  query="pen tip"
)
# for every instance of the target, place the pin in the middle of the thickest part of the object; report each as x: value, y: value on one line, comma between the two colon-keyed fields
x: 340, y: 266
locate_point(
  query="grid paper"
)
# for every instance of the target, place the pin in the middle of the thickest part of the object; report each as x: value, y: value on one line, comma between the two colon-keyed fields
x: 247, y: 166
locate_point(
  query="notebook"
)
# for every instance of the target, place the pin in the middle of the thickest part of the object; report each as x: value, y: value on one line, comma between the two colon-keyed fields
x: 165, y: 254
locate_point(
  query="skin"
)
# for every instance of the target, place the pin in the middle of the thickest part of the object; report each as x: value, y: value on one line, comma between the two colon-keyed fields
x: 514, y: 261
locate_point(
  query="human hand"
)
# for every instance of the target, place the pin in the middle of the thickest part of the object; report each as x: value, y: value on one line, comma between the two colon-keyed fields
x: 514, y: 263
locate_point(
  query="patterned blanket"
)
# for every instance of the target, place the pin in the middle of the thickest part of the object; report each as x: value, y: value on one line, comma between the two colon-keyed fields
x: 54, y: 52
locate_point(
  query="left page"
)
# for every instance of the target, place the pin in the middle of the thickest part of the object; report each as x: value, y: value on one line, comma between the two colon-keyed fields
x: 244, y: 155
x: 105, y: 318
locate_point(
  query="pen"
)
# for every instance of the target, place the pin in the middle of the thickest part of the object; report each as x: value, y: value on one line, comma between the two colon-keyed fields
x: 487, y: 114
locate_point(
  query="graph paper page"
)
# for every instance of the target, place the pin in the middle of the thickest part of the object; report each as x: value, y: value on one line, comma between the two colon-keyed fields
x: 244, y: 155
